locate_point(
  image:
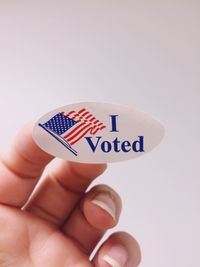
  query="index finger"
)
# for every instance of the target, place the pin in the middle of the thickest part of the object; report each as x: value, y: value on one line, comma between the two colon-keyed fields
x: 21, y: 165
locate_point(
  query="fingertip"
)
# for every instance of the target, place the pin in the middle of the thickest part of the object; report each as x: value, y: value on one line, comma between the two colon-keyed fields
x: 25, y: 145
x: 130, y: 243
x: 22, y: 164
x: 102, y: 207
x: 120, y: 250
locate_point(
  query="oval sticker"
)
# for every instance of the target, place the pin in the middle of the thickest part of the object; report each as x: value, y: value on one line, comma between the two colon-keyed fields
x: 97, y: 132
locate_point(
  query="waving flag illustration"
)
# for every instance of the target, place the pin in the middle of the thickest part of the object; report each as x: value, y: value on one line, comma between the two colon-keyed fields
x: 70, y: 128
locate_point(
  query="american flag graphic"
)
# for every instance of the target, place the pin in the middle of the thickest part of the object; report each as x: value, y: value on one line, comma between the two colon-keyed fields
x: 70, y: 128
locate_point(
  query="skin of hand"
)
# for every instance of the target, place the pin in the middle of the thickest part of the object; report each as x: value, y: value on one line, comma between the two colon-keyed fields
x: 60, y: 224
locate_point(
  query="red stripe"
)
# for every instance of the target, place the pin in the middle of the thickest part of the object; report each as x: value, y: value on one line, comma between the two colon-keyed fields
x: 93, y: 118
x: 76, y: 128
x: 97, y: 125
x: 85, y: 113
x: 69, y: 113
x: 81, y: 116
x: 77, y: 133
x: 102, y: 127
x: 88, y: 116
x: 96, y: 130
x: 81, y: 110
x: 75, y: 115
x: 75, y: 141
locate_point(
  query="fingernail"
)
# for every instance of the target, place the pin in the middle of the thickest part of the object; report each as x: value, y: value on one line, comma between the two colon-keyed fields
x: 106, y: 202
x: 117, y: 256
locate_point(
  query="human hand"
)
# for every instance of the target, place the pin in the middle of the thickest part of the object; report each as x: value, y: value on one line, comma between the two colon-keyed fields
x: 62, y: 223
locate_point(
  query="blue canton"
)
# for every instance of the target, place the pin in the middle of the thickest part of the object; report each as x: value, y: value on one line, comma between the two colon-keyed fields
x: 59, y: 124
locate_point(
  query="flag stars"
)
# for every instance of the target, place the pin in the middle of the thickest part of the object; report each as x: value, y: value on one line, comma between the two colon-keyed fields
x: 60, y: 124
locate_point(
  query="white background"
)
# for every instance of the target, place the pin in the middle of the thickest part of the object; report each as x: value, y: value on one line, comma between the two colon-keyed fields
x: 144, y: 54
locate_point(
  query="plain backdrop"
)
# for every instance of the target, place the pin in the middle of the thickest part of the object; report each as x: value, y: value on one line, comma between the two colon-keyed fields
x: 144, y: 54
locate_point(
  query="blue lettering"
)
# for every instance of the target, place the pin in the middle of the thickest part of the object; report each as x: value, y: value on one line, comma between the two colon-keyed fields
x: 125, y: 146
x: 116, y: 145
x: 106, y: 146
x: 138, y: 145
x: 91, y: 144
x: 114, y: 123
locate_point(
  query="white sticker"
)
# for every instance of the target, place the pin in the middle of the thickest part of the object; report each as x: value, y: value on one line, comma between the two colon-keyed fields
x: 97, y: 132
